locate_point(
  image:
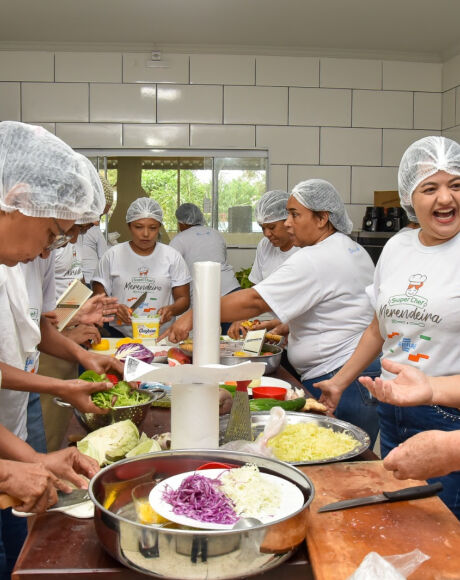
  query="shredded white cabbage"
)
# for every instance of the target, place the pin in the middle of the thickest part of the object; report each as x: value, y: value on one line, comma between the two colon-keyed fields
x: 251, y: 495
x: 309, y: 442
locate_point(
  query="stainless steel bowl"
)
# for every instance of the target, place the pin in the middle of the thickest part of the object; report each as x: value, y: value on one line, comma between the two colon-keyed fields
x: 137, y: 413
x: 260, y: 419
x: 185, y: 553
x: 272, y: 361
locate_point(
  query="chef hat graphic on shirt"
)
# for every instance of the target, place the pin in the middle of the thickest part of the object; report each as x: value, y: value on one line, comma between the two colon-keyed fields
x: 415, y: 283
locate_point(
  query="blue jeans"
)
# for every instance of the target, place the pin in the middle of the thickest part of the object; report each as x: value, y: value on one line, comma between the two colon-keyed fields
x: 13, y: 532
x: 35, y: 429
x: 224, y: 326
x: 357, y: 405
x: 399, y: 423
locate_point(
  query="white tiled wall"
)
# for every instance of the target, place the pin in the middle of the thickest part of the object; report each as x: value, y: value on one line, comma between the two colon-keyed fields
x: 345, y: 120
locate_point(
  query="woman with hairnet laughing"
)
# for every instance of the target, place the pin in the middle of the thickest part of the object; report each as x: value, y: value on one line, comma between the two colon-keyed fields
x: 320, y: 292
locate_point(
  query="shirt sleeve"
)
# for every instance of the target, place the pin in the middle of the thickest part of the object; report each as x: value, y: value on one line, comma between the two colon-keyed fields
x: 49, y: 287
x: 255, y: 275
x: 102, y: 273
x: 179, y: 271
x: 293, y: 288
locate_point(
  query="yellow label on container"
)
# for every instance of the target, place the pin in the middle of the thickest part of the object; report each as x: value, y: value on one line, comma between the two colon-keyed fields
x: 146, y: 327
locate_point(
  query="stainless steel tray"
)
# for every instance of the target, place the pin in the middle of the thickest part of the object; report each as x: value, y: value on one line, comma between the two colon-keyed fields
x: 260, y: 419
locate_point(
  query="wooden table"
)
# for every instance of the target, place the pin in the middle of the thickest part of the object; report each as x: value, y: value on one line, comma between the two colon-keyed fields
x: 58, y: 545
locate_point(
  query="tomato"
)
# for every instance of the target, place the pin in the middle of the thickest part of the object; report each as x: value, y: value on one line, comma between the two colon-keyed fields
x: 113, y: 379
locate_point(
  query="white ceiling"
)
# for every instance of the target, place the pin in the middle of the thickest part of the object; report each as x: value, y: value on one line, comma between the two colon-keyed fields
x: 410, y: 29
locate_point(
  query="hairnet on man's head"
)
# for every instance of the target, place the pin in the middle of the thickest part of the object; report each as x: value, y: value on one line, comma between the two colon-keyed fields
x: 41, y: 176
x: 320, y: 195
x: 144, y: 207
x: 422, y: 159
x: 190, y: 214
x: 271, y: 207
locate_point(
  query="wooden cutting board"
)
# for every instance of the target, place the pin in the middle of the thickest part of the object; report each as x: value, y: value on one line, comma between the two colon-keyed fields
x: 338, y: 541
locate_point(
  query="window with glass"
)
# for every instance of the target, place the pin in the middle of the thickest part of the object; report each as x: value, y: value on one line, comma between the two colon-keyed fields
x: 225, y: 187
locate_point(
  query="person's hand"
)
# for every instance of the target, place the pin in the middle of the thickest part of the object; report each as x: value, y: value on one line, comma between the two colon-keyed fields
x: 225, y: 401
x: 166, y: 313
x: 101, y: 363
x: 422, y: 456
x: 180, y: 328
x: 409, y: 388
x: 330, y: 395
x: 123, y: 314
x: 67, y: 464
x: 52, y: 317
x: 236, y: 330
x: 97, y: 310
x: 32, y: 483
x: 78, y: 393
x: 83, y: 334
x: 281, y: 329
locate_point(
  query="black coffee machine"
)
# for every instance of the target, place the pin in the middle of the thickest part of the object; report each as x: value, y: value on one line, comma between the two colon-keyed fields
x: 374, y: 219
x: 395, y: 219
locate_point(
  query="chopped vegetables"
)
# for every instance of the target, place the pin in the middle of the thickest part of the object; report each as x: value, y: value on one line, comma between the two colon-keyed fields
x: 102, y: 345
x: 120, y: 395
x: 199, y: 498
x: 251, y: 495
x: 309, y: 442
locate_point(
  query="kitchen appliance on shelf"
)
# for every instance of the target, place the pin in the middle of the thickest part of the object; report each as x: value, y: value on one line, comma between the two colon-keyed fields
x: 395, y: 219
x: 374, y: 219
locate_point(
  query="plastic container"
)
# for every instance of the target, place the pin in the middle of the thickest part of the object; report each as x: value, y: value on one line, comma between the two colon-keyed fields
x: 146, y: 327
x: 278, y: 393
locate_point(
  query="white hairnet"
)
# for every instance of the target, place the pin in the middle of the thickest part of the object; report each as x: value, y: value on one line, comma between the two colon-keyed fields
x: 190, y: 215
x: 271, y: 207
x: 320, y: 195
x: 93, y: 213
x: 144, y: 207
x: 423, y: 158
x: 40, y: 175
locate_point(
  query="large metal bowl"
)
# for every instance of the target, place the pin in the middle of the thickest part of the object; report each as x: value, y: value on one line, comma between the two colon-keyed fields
x: 271, y: 361
x: 260, y: 419
x: 185, y: 553
x: 137, y: 413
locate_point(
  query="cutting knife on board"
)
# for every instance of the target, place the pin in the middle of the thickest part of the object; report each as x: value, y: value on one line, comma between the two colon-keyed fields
x: 405, y: 494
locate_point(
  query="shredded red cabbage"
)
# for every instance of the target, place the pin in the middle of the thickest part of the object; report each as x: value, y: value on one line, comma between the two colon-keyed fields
x: 198, y: 498
x: 136, y: 350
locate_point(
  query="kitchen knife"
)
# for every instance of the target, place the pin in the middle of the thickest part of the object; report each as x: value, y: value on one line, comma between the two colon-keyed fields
x: 138, y: 302
x: 405, y: 494
x: 64, y: 499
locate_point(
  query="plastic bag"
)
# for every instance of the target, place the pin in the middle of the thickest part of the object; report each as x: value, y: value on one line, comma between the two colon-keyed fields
x: 275, y: 424
x: 399, y: 567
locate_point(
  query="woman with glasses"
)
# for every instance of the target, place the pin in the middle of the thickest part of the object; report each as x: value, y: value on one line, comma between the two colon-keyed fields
x: 44, y: 188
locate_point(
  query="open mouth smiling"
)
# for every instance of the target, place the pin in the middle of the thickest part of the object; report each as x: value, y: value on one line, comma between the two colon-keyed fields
x: 445, y: 215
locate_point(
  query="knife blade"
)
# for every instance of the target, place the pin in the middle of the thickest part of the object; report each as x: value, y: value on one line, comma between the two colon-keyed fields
x: 64, y: 499
x: 138, y: 302
x: 404, y: 494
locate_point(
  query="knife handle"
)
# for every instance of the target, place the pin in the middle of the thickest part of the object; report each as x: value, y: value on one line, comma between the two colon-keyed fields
x: 7, y: 501
x: 416, y: 492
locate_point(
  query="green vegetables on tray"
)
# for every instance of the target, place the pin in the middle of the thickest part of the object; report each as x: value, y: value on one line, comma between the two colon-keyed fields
x: 267, y: 404
x: 120, y: 395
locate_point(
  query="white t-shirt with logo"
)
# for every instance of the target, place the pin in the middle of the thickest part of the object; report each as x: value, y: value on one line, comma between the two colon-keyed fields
x: 268, y: 259
x: 417, y: 296
x: 320, y: 292
x: 68, y: 266
x: 127, y: 275
x: 203, y: 244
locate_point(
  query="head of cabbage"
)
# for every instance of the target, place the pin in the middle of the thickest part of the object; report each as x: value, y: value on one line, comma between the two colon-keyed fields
x: 113, y: 442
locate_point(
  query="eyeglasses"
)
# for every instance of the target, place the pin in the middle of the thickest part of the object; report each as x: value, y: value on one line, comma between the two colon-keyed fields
x: 60, y: 239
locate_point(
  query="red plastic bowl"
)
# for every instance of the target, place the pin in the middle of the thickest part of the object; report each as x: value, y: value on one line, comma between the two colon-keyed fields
x: 269, y: 393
